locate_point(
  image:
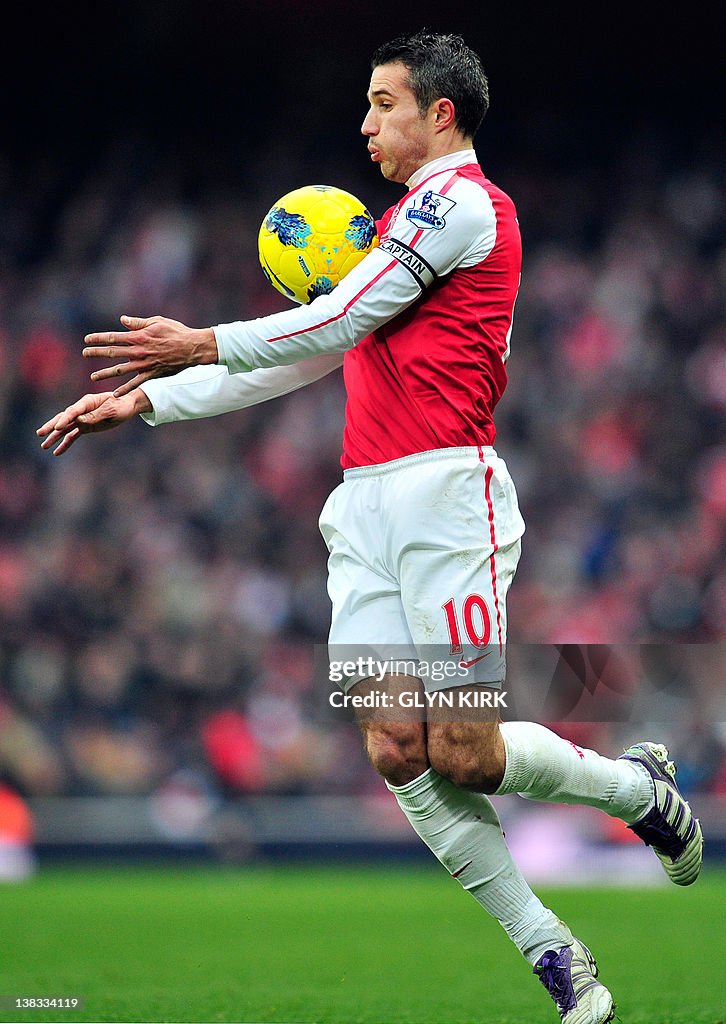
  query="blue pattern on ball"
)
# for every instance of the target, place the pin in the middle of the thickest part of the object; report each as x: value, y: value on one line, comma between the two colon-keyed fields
x: 291, y: 228
x: 361, y: 231
x: 321, y: 286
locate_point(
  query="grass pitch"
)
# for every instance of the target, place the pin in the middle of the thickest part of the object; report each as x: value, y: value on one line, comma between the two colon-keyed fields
x: 376, y: 945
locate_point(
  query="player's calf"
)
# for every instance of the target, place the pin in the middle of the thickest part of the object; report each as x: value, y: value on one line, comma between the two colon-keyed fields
x: 469, y: 754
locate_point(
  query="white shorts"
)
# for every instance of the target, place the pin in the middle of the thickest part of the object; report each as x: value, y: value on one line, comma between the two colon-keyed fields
x: 422, y: 552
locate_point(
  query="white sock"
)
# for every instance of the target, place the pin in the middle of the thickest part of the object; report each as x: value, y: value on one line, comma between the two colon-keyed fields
x: 543, y: 766
x: 462, y: 830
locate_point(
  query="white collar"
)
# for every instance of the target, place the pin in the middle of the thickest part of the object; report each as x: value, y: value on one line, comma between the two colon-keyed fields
x: 442, y: 163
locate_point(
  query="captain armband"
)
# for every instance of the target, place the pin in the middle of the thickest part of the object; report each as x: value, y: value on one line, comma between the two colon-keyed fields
x: 422, y: 271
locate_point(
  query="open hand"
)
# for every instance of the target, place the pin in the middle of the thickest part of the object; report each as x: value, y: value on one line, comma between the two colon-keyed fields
x: 153, y: 347
x: 88, y: 415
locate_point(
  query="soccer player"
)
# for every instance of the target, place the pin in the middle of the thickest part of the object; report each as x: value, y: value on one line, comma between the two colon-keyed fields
x: 424, y: 531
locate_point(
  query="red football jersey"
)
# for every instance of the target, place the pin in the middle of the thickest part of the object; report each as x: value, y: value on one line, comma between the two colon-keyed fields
x: 431, y: 377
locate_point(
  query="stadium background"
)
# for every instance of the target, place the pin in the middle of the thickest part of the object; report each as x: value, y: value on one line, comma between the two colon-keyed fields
x: 161, y: 591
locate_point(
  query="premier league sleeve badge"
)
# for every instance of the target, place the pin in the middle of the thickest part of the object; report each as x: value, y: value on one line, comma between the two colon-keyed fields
x: 431, y: 213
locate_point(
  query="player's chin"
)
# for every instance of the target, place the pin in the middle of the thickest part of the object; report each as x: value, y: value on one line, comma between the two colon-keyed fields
x: 390, y: 173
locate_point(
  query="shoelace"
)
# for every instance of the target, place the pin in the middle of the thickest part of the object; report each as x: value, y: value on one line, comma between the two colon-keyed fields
x: 555, y: 976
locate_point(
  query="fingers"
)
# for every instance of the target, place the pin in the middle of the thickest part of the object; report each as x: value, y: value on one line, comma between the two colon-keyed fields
x: 66, y: 440
x: 47, y: 427
x: 61, y: 432
x: 58, y: 432
x: 118, y: 351
x: 102, y: 345
x: 109, y: 339
x: 113, y: 371
x: 137, y: 323
x: 63, y: 420
x: 50, y: 433
x: 110, y: 345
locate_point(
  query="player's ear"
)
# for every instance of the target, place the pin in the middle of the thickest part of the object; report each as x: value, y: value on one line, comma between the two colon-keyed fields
x: 444, y: 114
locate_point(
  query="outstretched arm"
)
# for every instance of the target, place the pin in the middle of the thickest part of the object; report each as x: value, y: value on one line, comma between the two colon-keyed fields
x: 192, y: 394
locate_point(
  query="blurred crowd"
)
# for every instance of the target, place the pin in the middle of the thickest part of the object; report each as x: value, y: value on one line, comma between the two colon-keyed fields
x: 162, y: 590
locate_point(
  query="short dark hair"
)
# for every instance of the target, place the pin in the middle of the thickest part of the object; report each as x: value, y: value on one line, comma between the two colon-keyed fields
x: 441, y: 65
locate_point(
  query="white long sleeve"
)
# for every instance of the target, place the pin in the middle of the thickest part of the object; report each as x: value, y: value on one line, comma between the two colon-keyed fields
x: 203, y: 391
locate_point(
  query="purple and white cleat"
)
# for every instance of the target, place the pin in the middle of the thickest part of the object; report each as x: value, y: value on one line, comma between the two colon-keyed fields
x: 669, y: 827
x: 570, y: 977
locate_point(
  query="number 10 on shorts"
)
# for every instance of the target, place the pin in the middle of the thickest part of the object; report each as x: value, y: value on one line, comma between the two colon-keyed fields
x: 476, y: 620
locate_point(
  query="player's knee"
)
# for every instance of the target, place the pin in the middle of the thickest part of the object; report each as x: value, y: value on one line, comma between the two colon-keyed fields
x: 474, y: 766
x: 397, y: 753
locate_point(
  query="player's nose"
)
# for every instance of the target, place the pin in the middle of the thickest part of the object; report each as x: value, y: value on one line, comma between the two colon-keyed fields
x: 369, y: 127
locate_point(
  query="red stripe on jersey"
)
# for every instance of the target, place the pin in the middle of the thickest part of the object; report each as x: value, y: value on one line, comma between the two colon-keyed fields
x: 421, y: 184
x: 448, y: 184
x: 495, y: 547
x: 338, y: 316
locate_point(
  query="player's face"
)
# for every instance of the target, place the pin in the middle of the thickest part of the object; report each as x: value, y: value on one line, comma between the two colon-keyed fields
x: 399, y: 137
